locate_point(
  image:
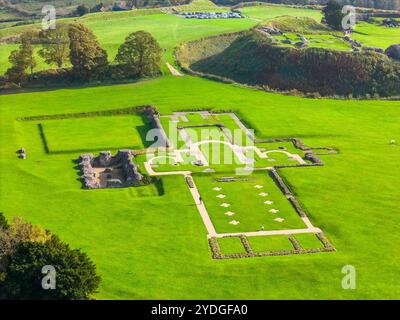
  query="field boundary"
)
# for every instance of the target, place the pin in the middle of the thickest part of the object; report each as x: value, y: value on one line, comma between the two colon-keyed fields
x: 90, y: 114
x: 250, y: 253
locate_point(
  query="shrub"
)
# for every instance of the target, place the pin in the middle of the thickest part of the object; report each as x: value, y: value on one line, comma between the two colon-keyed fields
x: 76, y: 277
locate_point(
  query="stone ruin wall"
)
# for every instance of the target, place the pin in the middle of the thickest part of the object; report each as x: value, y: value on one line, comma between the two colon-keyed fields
x: 124, y: 159
x: 154, y: 117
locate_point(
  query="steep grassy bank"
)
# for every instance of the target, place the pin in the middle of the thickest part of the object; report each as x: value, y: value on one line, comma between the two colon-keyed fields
x: 252, y: 59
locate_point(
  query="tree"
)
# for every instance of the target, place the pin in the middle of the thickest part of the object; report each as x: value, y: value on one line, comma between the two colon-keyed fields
x: 55, y: 45
x: 75, y: 276
x: 22, y: 59
x: 19, y: 231
x: 82, y: 10
x: 333, y: 15
x: 27, y: 49
x: 98, y: 7
x: 88, y: 59
x: 140, y: 55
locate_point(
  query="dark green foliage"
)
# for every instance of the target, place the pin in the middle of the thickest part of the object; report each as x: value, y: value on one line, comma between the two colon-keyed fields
x: 76, y: 277
x: 97, y: 7
x: 22, y: 59
x: 140, y: 55
x: 82, y: 10
x: 252, y: 59
x: 333, y: 15
x: 88, y: 59
x: 3, y: 221
x: 55, y: 45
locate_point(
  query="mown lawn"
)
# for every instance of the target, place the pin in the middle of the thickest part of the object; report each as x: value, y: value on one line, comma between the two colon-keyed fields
x: 247, y: 203
x: 270, y: 243
x: 148, y: 245
x: 374, y: 35
x: 231, y: 245
x: 90, y: 134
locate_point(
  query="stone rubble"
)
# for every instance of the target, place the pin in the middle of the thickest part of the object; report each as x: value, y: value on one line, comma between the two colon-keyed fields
x: 124, y: 159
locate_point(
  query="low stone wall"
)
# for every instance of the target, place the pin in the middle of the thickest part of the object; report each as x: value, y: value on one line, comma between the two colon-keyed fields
x: 295, y: 243
x: 291, y: 198
x: 313, y: 158
x: 297, y: 207
x: 297, y: 143
x: 279, y: 181
x: 297, y: 249
x: 88, y: 176
x: 327, y: 245
x: 247, y: 246
x: 154, y: 117
x: 219, y: 125
x: 215, y: 249
x: 310, y: 154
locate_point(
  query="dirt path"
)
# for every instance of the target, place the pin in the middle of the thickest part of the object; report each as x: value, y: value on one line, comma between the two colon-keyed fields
x: 173, y: 71
x: 207, y: 220
x: 270, y: 233
x: 195, y: 194
x: 202, y: 210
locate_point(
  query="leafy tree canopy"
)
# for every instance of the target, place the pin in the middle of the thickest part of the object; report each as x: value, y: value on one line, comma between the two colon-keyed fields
x: 140, y: 54
x: 75, y: 277
x: 86, y: 55
x: 333, y: 15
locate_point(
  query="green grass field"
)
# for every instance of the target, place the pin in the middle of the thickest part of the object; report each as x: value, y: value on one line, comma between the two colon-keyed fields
x: 230, y: 245
x: 93, y: 134
x: 374, y: 35
x: 264, y: 12
x: 151, y: 245
x: 308, y: 241
x: 271, y: 243
x: 355, y: 202
x: 247, y: 204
